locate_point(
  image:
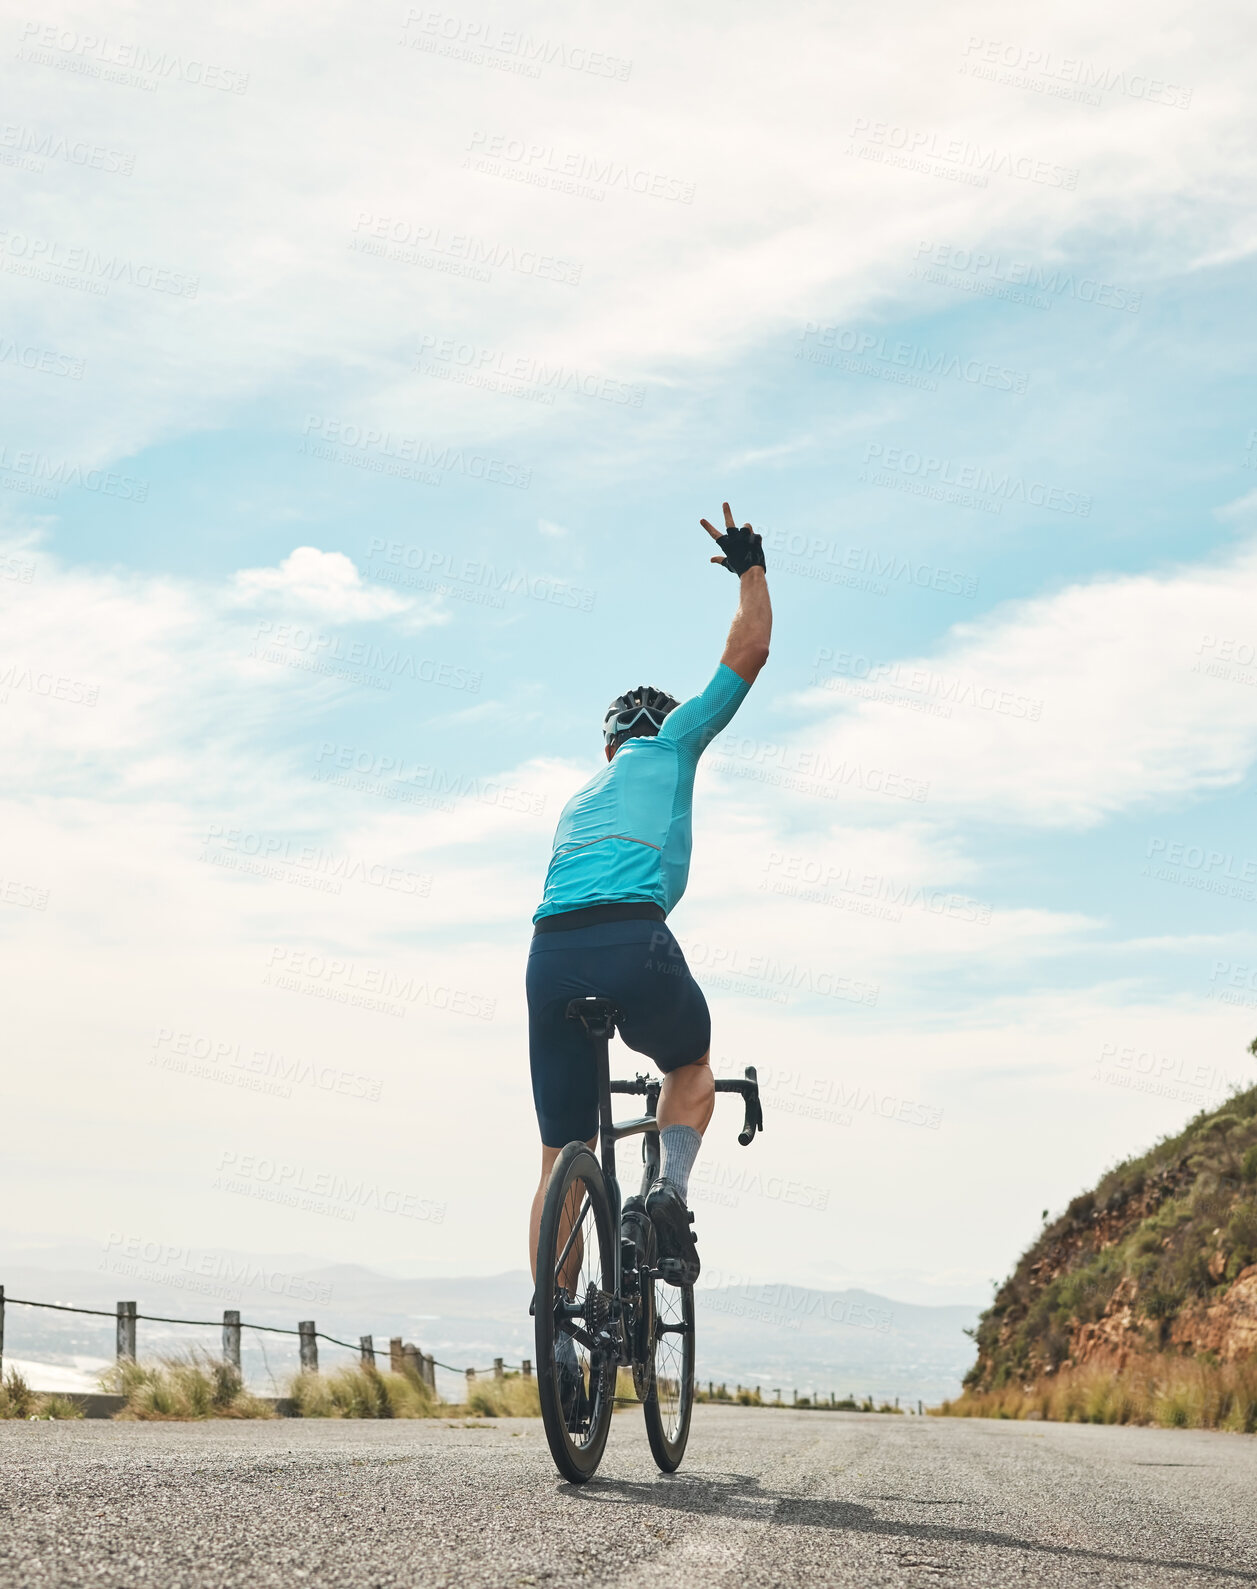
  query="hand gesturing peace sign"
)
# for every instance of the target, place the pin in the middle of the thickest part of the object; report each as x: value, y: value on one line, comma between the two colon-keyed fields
x: 742, y: 548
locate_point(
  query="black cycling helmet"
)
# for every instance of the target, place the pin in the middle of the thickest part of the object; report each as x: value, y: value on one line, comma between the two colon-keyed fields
x: 635, y: 713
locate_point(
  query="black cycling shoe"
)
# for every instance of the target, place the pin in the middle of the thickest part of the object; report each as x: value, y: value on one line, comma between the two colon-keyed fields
x: 678, y: 1255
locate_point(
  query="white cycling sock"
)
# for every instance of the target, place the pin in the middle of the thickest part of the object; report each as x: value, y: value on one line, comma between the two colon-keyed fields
x: 678, y: 1147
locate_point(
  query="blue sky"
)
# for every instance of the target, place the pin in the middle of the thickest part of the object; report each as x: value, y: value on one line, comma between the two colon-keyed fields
x: 335, y: 555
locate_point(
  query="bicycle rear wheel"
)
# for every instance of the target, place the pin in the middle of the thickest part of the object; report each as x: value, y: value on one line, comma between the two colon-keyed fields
x: 670, y: 1399
x: 577, y: 1350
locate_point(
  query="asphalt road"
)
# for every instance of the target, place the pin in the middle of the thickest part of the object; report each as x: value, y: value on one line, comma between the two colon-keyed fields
x: 764, y: 1497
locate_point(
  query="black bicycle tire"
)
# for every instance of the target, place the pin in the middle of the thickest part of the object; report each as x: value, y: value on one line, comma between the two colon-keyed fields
x: 668, y: 1453
x: 575, y: 1161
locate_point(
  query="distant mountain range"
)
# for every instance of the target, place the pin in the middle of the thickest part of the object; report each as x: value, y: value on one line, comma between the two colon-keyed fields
x: 775, y: 1336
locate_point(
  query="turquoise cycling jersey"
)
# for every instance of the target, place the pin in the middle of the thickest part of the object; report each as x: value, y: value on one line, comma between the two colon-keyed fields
x: 626, y: 836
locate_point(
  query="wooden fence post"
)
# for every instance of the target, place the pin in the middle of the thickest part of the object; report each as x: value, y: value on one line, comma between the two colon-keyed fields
x: 412, y: 1360
x: 366, y: 1349
x: 794, y: 1398
x: 126, y: 1330
x: 309, y: 1347
x: 395, y: 1362
x: 777, y: 1397
x: 471, y: 1380
x: 497, y: 1368
x: 429, y: 1372
x: 525, y: 1367
x: 231, y: 1337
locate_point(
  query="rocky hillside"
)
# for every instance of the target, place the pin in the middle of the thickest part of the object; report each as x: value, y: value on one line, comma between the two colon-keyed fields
x: 1161, y: 1256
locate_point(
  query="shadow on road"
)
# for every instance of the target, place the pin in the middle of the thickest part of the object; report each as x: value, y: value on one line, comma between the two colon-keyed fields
x: 742, y: 1496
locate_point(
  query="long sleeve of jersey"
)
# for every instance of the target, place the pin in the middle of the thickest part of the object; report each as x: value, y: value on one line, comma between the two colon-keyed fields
x: 696, y: 722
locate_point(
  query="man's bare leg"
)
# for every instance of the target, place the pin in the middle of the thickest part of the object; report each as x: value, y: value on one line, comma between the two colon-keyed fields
x: 688, y: 1096
x: 686, y: 1100
x: 548, y: 1157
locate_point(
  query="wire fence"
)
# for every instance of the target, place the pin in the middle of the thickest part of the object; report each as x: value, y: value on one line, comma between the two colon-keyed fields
x: 403, y: 1355
x: 822, y: 1401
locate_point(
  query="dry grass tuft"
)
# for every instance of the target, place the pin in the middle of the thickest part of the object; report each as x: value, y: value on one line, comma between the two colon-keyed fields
x: 193, y: 1386
x: 18, y: 1400
x: 1163, y: 1390
x: 358, y: 1391
x: 511, y: 1397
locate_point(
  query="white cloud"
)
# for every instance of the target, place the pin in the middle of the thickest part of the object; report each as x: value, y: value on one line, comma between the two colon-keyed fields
x: 1063, y: 710
x: 1240, y: 511
x: 754, y: 455
x: 328, y: 584
x: 661, y: 288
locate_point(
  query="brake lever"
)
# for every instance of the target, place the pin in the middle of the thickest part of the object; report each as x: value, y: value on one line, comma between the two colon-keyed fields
x: 754, y: 1119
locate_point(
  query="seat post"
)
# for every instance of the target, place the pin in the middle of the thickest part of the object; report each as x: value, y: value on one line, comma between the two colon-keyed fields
x: 606, y: 1125
x: 599, y: 1017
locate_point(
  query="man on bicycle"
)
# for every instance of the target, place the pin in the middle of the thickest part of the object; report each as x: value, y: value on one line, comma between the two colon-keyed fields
x: 620, y: 863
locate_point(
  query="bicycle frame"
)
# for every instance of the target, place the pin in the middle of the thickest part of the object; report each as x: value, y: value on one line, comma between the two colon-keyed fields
x: 599, y: 1016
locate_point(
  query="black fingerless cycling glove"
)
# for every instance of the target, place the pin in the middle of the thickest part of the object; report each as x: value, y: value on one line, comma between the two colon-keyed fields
x: 743, y: 549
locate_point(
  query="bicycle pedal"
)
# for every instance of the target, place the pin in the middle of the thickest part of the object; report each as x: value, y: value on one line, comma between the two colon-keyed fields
x: 676, y: 1272
x: 690, y: 1217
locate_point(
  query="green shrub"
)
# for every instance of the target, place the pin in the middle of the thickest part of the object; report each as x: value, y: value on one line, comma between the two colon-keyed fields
x: 1241, y: 1239
x: 1146, y: 1243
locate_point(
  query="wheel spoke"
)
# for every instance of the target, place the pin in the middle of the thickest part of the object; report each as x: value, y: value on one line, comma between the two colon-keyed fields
x: 673, y: 1359
x: 577, y: 1223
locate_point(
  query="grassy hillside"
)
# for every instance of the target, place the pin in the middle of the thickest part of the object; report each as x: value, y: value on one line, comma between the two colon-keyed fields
x: 1159, y: 1260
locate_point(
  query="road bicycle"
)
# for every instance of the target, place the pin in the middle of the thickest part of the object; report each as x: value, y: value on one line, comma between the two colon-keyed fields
x: 601, y: 1284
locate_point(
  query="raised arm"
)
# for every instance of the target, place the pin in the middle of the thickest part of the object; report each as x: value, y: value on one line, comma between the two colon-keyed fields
x: 746, y: 649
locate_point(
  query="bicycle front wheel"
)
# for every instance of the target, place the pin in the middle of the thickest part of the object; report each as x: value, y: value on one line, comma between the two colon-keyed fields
x: 577, y: 1343
x: 670, y: 1399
